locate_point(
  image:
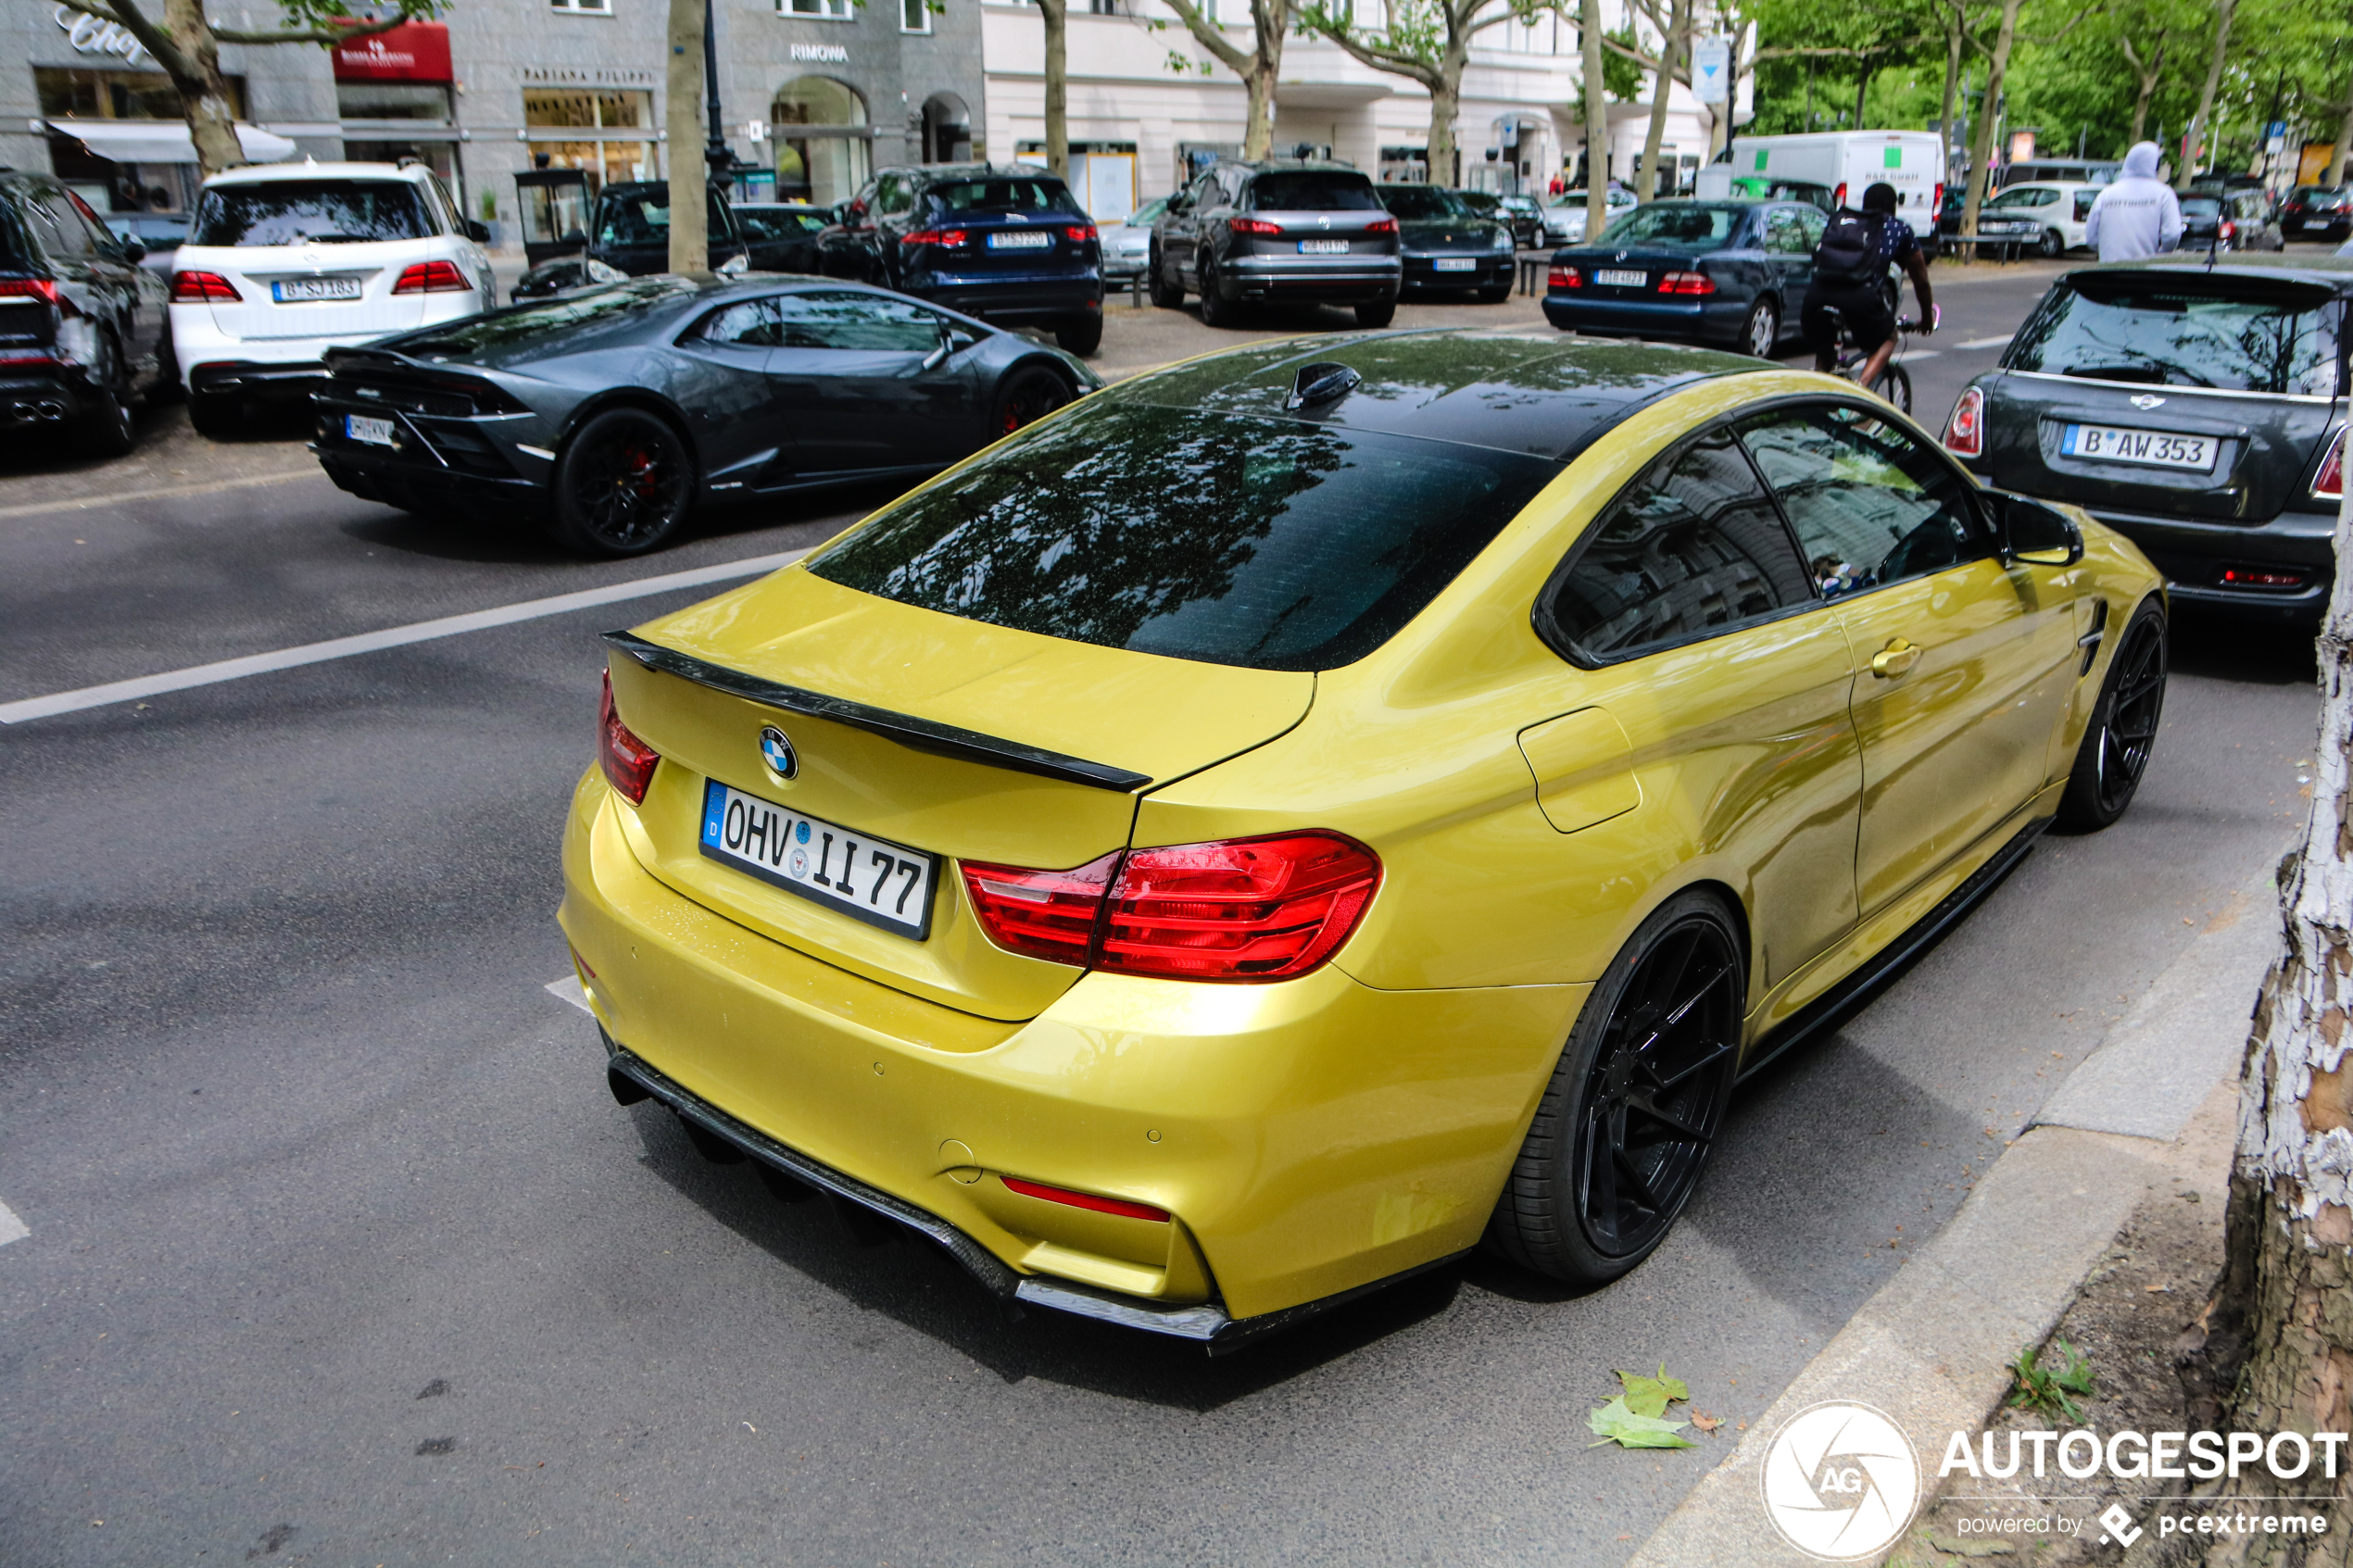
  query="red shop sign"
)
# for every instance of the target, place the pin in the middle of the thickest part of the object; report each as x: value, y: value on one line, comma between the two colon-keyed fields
x: 411, y: 52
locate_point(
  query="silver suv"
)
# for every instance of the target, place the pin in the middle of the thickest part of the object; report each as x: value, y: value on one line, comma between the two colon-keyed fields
x: 1278, y: 233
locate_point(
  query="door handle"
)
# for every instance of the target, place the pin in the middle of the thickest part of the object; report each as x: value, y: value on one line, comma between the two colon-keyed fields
x: 1896, y: 658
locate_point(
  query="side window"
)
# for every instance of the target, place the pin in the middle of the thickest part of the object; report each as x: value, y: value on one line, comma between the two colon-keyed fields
x: 54, y: 228
x: 754, y: 323
x: 891, y: 194
x: 1813, y: 220
x: 1229, y: 187
x: 1204, y: 191
x: 859, y: 323
x: 101, y: 238
x: 1784, y: 233
x: 1693, y: 547
x: 1870, y: 506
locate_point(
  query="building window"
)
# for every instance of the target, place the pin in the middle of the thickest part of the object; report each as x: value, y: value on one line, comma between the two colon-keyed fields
x: 822, y: 151
x: 830, y: 10
x: 68, y: 91
x: 549, y: 112
x: 915, y: 15
x: 393, y: 100
x: 586, y: 7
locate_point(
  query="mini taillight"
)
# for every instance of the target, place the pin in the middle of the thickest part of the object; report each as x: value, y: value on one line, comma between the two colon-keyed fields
x: 432, y: 277
x: 1087, y: 1200
x: 1686, y: 283
x: 1563, y: 278
x: 1253, y: 226
x: 1079, y: 233
x: 629, y: 762
x: 189, y: 287
x: 1965, y: 432
x: 946, y: 239
x: 2329, y: 483
x: 1381, y: 226
x: 1049, y: 915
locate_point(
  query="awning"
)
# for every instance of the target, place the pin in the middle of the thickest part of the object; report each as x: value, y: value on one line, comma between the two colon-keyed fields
x: 163, y: 141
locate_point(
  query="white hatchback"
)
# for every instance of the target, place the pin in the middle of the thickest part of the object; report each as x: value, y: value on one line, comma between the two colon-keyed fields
x: 2059, y: 209
x: 286, y: 261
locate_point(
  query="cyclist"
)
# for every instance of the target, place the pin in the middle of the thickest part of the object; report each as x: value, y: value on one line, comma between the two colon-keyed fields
x: 1850, y: 268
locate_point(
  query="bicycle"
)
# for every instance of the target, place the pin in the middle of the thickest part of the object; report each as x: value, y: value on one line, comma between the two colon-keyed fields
x: 1894, y: 383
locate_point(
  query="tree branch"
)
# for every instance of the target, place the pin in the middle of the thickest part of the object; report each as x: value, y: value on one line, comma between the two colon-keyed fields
x: 1381, y: 57
x: 339, y: 33
x: 126, y: 16
x: 1202, y: 29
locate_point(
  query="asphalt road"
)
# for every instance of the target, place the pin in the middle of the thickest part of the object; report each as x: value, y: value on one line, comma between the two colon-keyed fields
x: 339, y: 1252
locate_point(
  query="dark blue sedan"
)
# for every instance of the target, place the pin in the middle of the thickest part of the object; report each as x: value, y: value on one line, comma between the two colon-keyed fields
x: 1730, y: 273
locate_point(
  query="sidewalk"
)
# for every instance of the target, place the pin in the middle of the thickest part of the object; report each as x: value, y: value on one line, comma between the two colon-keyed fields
x: 2156, y: 1103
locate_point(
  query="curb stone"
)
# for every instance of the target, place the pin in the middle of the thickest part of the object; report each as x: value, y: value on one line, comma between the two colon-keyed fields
x: 1931, y: 1350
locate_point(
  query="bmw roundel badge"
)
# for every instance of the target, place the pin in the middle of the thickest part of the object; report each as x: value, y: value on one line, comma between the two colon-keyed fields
x: 777, y: 752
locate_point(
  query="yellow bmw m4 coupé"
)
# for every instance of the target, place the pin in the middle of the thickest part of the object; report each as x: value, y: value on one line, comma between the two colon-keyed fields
x: 1283, y: 821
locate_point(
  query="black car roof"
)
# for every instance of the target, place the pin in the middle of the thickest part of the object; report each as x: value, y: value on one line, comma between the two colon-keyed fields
x: 1513, y: 390
x: 2328, y: 272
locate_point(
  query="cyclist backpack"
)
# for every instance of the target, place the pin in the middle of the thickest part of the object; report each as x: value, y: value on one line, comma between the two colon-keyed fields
x: 1848, y: 252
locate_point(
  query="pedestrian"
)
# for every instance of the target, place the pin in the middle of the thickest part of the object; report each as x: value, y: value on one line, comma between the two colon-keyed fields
x: 1559, y: 187
x: 1850, y: 276
x: 2136, y: 216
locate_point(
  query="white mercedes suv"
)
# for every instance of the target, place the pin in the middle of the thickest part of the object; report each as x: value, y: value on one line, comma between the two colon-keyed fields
x: 286, y: 261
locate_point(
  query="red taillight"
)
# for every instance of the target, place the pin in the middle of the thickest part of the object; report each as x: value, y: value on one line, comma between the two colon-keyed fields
x: 1381, y: 226
x: 629, y: 762
x: 1563, y: 278
x: 1686, y: 283
x: 30, y: 288
x: 189, y: 287
x: 1838, y: 197
x: 2329, y: 483
x: 1253, y: 909
x: 1253, y: 226
x: 432, y: 277
x: 1079, y: 233
x: 1087, y: 1200
x: 2230, y: 230
x: 2260, y: 577
x: 1939, y: 200
x: 946, y: 239
x: 1965, y: 432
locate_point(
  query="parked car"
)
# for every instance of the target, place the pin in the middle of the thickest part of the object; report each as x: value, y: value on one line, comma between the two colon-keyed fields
x: 286, y: 261
x: 160, y: 234
x: 2058, y: 213
x: 1524, y: 214
x: 1564, y: 219
x: 2021, y: 230
x: 1729, y: 272
x: 611, y: 414
x: 1445, y: 247
x: 781, y: 236
x: 2317, y: 213
x: 84, y: 334
x: 2189, y: 409
x: 2228, y: 221
x: 1471, y: 753
x: 629, y: 230
x: 565, y: 275
x: 1127, y: 244
x: 1278, y: 233
x: 1010, y: 245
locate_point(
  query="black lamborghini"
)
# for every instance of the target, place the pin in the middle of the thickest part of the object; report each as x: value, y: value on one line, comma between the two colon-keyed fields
x: 609, y: 415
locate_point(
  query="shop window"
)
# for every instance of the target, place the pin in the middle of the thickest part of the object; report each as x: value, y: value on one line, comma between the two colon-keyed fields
x: 822, y: 153
x: 831, y: 10
x: 604, y: 158
x: 915, y: 15
x: 69, y: 92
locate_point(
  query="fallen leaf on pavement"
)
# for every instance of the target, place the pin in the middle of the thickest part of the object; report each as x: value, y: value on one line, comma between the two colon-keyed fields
x: 1616, y: 1424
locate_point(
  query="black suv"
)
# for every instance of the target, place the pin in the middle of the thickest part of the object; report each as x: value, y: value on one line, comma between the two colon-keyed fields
x: 1010, y: 245
x: 2318, y: 212
x: 84, y: 328
x: 1247, y: 233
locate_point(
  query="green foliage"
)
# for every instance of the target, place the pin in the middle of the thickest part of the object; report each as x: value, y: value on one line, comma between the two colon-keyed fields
x: 1651, y: 1396
x: 324, y: 13
x: 2051, y: 1391
x: 1621, y: 78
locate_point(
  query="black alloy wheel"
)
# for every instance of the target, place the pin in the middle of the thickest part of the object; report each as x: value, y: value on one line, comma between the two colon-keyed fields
x: 1081, y: 334
x: 2052, y: 246
x: 1378, y: 314
x: 1167, y: 291
x: 1763, y: 332
x: 1026, y: 396
x: 1216, y: 309
x: 2117, y: 742
x: 1623, y: 1131
x: 1495, y: 293
x: 106, y: 430
x: 623, y: 485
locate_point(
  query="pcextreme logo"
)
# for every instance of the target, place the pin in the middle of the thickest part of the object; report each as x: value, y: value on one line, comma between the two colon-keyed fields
x: 1841, y: 1481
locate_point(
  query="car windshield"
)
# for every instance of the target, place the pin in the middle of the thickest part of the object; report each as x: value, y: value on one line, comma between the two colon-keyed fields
x: 2233, y: 334
x: 1313, y: 193
x: 1005, y: 196
x: 639, y: 215
x: 1693, y: 226
x: 2024, y: 196
x: 1266, y: 543
x: 1419, y: 202
x: 2201, y: 206
x: 316, y: 212
x: 517, y: 322
x: 1146, y: 215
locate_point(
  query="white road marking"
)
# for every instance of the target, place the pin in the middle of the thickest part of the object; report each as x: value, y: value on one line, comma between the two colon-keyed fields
x: 11, y: 1228
x: 1911, y: 354
x: 2002, y: 341
x: 160, y: 493
x: 390, y: 637
x: 568, y: 990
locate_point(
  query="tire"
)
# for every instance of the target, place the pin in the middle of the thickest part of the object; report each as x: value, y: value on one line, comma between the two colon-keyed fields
x: 107, y: 430
x: 2052, y: 246
x: 1028, y: 395
x: 624, y: 485
x: 1894, y: 384
x: 1762, y: 333
x: 2115, y: 751
x: 1378, y: 315
x: 1215, y: 311
x: 1663, y: 1020
x: 217, y: 415
x: 1166, y: 292
x: 1081, y: 334
x: 1495, y: 293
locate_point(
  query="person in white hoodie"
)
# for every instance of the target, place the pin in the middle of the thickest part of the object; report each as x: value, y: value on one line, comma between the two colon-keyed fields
x: 2136, y: 216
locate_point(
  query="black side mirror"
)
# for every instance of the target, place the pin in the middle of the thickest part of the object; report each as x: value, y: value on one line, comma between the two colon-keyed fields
x: 477, y: 230
x: 2035, y: 532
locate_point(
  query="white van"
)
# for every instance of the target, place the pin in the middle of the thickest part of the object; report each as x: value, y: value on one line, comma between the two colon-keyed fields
x: 1833, y: 168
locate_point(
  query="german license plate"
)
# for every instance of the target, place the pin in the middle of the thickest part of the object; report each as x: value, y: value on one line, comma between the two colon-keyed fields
x: 2108, y: 444
x: 1614, y: 278
x: 1323, y: 248
x: 865, y: 878
x: 293, y: 291
x: 1026, y: 239
x: 367, y: 428
x: 1454, y: 264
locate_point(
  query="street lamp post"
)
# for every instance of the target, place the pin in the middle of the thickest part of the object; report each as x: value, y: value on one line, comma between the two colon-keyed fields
x: 716, y: 153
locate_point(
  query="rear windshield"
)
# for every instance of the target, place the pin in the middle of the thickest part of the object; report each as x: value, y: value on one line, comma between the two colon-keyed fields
x: 1694, y: 226
x: 2200, y: 207
x: 1419, y: 202
x: 639, y: 215
x: 1313, y: 193
x: 2169, y: 332
x: 1005, y: 196
x: 315, y: 212
x: 2324, y: 199
x: 1268, y: 544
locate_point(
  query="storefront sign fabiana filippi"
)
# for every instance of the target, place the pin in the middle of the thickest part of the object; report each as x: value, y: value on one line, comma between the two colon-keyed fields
x: 833, y: 53
x: 90, y: 36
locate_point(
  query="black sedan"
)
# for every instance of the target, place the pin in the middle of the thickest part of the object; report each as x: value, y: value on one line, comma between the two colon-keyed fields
x: 610, y: 415
x: 2318, y: 212
x: 1726, y: 272
x: 2199, y: 412
x: 1446, y: 246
